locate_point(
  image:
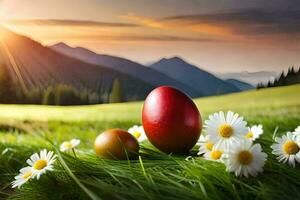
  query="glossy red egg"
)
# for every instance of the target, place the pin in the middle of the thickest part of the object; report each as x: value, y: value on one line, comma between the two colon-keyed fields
x: 116, y: 144
x: 171, y: 120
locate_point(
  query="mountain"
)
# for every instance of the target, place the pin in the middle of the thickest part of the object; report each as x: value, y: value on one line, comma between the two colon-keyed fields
x: 35, y: 66
x: 240, y: 84
x: 125, y: 66
x: 250, y: 77
x: 194, y: 77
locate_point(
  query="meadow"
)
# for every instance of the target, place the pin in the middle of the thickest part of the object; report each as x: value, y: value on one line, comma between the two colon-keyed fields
x: 25, y: 129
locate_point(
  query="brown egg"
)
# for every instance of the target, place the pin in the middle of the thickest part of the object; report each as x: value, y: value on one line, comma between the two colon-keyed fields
x: 116, y: 144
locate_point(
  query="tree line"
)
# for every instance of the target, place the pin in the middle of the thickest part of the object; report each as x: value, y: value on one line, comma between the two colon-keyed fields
x: 290, y: 78
x: 54, y: 94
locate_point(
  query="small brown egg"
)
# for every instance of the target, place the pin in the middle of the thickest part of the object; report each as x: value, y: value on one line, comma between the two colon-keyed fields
x: 116, y: 144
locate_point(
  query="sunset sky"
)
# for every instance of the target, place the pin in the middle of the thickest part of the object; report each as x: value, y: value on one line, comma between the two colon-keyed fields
x: 219, y: 36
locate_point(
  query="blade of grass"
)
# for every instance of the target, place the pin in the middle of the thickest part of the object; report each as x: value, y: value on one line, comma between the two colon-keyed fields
x: 70, y: 173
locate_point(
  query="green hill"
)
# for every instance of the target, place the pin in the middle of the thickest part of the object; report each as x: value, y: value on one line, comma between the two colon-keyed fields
x: 250, y: 101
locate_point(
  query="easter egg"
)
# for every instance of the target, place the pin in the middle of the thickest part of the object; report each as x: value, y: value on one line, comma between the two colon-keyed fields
x: 171, y: 120
x: 116, y: 144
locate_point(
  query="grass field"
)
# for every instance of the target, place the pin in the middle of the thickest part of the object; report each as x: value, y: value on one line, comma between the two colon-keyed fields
x: 28, y: 129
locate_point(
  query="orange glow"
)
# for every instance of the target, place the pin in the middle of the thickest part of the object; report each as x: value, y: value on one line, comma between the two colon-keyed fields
x: 183, y: 26
x: 11, y: 60
x: 2, y: 33
x: 156, y: 32
x: 211, y: 29
x: 144, y: 21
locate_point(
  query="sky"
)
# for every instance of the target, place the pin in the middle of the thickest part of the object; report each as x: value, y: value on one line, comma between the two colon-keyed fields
x: 219, y: 36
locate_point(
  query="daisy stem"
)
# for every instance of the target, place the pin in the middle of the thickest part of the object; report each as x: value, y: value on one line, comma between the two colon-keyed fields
x: 74, y: 153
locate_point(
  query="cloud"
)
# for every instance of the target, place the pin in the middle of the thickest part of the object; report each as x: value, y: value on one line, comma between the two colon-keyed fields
x: 231, y: 24
x: 142, y: 38
x: 108, y: 35
x: 63, y: 22
x: 249, y: 22
x: 143, y: 20
x: 178, y: 25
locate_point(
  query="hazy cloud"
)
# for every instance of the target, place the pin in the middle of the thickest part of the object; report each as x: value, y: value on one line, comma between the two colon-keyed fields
x: 246, y: 21
x: 113, y: 36
x: 230, y: 24
x: 63, y: 22
x: 160, y: 38
x: 247, y: 16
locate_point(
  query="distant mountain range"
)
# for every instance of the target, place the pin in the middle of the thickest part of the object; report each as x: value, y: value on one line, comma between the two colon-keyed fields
x: 124, y: 66
x: 250, y: 77
x: 33, y: 65
x: 193, y: 76
x: 174, y: 71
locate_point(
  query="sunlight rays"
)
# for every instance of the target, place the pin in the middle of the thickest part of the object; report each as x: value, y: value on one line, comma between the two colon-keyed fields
x: 11, y: 60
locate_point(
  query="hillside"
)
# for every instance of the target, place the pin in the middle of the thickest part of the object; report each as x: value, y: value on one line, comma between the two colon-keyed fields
x: 198, y: 79
x: 292, y: 77
x: 251, y: 100
x: 124, y: 66
x: 33, y: 65
x: 240, y: 84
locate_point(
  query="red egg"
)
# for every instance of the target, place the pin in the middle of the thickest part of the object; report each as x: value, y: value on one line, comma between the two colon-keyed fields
x: 171, y: 120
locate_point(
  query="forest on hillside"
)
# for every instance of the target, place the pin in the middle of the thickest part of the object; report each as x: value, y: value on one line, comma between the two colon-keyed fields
x: 290, y: 78
x: 54, y: 94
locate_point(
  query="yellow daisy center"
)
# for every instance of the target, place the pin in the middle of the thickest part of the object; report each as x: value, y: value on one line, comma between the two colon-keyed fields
x: 245, y: 157
x: 209, y: 146
x: 225, y: 130
x: 290, y: 147
x: 68, y: 145
x: 40, y: 164
x: 216, y: 155
x: 136, y: 134
x: 26, y: 175
x: 249, y: 135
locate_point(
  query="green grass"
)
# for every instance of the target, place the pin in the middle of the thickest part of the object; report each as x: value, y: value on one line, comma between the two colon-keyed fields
x: 28, y: 129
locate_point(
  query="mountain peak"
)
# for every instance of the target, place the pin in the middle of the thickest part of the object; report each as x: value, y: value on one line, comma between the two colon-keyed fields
x: 173, y: 60
x: 61, y: 45
x: 192, y: 76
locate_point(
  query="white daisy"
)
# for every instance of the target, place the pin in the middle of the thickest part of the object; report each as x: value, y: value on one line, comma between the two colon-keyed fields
x: 254, y: 132
x: 215, y: 154
x: 25, y: 174
x: 69, y: 145
x: 287, y: 149
x: 244, y: 158
x: 297, y: 131
x: 41, y: 163
x: 222, y: 131
x: 204, y: 145
x: 138, y: 132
